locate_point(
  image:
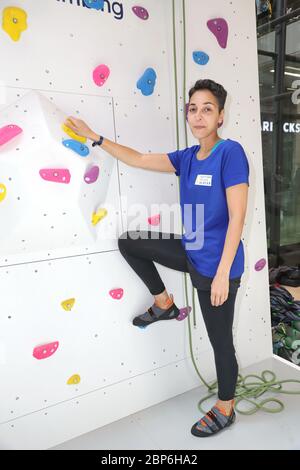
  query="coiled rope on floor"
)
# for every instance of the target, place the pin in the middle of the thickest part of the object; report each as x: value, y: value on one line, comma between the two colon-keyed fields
x: 267, y: 381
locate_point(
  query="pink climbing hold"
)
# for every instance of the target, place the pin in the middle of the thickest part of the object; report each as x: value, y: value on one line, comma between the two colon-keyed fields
x: 154, y: 220
x: 219, y: 27
x: 183, y: 313
x: 56, y: 175
x: 101, y: 74
x: 9, y: 132
x: 261, y: 263
x: 140, y: 12
x: 46, y: 350
x: 116, y: 293
x: 92, y: 174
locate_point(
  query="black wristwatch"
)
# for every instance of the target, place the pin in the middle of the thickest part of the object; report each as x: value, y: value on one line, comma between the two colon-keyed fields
x: 98, y: 142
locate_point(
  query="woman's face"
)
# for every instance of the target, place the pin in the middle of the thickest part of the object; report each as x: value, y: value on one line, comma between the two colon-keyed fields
x: 203, y: 114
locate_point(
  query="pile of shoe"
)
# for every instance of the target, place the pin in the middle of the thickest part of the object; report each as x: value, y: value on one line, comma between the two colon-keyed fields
x: 286, y: 341
x: 285, y: 313
x: 284, y: 308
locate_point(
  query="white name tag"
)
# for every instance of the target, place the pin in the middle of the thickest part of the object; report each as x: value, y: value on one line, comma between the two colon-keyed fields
x: 204, y: 180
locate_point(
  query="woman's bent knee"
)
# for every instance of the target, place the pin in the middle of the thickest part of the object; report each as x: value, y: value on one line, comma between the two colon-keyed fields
x: 126, y: 240
x: 122, y: 240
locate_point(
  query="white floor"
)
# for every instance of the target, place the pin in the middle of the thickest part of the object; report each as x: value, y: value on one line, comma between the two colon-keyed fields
x: 167, y: 425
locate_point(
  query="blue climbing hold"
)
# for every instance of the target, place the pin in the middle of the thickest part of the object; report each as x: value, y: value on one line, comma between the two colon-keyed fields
x: 95, y: 4
x: 200, y: 57
x: 147, y: 82
x: 77, y: 147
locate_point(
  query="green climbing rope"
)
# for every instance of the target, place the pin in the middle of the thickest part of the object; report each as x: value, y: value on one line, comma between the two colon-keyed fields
x: 245, y: 390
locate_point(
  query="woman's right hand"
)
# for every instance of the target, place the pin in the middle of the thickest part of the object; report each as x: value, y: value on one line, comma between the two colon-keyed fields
x: 78, y: 126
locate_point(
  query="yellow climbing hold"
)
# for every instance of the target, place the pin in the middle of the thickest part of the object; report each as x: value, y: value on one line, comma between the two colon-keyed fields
x: 68, y: 304
x: 97, y: 216
x: 2, y: 192
x: 75, y: 379
x: 72, y: 134
x: 14, y: 22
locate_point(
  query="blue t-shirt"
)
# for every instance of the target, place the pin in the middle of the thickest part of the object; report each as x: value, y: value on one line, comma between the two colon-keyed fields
x: 202, y: 194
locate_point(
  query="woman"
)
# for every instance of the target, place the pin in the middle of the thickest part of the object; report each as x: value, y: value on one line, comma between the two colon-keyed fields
x: 213, y: 175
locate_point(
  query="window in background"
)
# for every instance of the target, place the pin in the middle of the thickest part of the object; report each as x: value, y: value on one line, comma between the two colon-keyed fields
x: 278, y: 37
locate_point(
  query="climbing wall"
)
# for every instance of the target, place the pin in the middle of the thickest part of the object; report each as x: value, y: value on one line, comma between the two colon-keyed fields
x: 68, y: 350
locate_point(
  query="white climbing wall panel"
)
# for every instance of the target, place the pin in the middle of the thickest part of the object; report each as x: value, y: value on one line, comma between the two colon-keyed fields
x: 40, y: 213
x: 50, y: 219
x: 48, y: 259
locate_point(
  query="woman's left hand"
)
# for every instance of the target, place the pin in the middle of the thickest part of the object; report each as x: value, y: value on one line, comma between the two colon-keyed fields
x: 219, y: 289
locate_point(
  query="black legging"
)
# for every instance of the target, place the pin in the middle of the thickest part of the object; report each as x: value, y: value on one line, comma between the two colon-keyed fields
x: 140, y: 250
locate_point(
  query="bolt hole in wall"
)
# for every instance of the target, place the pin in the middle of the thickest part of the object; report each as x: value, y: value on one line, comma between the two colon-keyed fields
x: 278, y: 36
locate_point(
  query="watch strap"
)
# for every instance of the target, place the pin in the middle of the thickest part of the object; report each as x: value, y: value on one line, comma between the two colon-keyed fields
x: 98, y: 142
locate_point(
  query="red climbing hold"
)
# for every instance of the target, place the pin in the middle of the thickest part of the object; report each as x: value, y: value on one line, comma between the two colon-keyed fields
x: 116, y: 293
x: 154, y: 220
x: 9, y: 132
x: 56, y: 175
x: 46, y: 350
x: 101, y: 74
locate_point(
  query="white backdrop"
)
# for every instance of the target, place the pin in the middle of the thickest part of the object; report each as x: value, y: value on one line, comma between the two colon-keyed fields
x: 123, y: 369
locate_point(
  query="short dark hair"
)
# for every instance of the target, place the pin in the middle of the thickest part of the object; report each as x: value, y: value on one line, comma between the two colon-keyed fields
x: 217, y: 90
